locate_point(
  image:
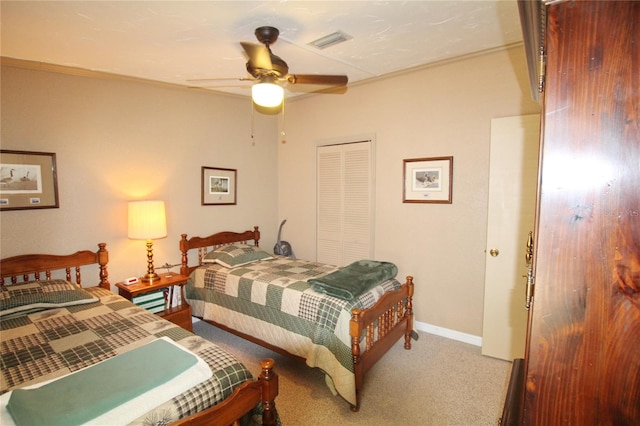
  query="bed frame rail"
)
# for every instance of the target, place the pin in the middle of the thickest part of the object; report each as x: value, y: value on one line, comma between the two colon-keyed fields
x: 20, y: 268
x: 243, y: 399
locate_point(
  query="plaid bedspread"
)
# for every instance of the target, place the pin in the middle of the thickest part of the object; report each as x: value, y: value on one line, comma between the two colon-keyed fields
x: 272, y: 301
x: 55, y: 342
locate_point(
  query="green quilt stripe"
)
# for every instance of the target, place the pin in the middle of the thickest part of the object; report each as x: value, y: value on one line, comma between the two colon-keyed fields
x: 244, y: 288
x: 174, y: 333
x: 8, y: 324
x: 274, y: 296
x: 230, y: 376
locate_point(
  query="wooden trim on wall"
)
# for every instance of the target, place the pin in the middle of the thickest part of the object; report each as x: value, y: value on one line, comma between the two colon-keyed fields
x: 6, y: 61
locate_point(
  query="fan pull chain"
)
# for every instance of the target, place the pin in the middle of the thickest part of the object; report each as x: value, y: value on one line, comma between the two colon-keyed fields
x: 282, y: 132
x: 253, y: 141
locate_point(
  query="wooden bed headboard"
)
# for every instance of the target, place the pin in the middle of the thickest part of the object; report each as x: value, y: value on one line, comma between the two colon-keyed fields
x: 203, y: 244
x: 20, y: 268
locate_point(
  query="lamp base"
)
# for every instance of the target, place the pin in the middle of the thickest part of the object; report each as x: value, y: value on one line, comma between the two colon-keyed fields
x: 151, y: 275
x: 150, y: 278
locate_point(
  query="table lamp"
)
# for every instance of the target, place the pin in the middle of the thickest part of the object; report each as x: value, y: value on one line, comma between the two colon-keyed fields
x: 147, y: 221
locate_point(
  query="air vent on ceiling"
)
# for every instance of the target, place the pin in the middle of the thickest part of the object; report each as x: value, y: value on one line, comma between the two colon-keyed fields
x: 330, y: 40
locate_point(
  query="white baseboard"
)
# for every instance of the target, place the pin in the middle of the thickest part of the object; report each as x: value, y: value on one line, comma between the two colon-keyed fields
x: 448, y: 333
x: 432, y: 329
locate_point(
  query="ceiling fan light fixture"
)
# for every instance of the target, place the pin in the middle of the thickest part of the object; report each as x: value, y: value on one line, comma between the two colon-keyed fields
x: 267, y: 94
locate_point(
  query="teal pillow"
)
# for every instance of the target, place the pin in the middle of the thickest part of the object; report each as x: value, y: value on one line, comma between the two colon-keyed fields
x: 39, y: 295
x: 233, y: 255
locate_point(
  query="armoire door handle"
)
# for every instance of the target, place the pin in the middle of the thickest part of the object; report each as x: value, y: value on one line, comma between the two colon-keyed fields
x: 530, y: 278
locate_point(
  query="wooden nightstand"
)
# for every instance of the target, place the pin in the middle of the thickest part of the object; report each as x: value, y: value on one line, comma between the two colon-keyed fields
x: 179, y: 315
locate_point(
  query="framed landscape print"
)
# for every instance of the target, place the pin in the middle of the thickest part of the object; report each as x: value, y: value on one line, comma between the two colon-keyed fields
x: 28, y: 180
x: 218, y: 186
x: 427, y: 180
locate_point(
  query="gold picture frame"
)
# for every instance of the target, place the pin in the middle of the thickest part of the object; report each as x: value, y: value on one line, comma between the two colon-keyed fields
x: 427, y: 180
x: 28, y: 180
x: 218, y: 186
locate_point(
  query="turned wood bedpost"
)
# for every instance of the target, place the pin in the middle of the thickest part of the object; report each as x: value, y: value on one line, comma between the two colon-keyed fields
x: 409, y: 313
x: 355, y: 331
x: 184, y: 248
x: 256, y: 236
x: 269, y: 391
x: 103, y: 259
x: 78, y: 277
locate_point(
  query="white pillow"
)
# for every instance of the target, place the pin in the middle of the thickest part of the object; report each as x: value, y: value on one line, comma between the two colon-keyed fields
x: 233, y: 255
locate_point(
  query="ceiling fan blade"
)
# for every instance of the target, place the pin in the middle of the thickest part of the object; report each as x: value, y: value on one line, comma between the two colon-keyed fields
x: 214, y: 80
x: 220, y: 86
x: 259, y: 55
x: 330, y: 90
x: 327, y: 80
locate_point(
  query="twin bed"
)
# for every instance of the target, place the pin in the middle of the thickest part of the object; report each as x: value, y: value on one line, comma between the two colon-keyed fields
x: 52, y: 328
x: 292, y: 307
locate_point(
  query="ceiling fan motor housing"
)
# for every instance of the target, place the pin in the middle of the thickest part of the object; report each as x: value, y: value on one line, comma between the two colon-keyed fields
x: 279, y: 68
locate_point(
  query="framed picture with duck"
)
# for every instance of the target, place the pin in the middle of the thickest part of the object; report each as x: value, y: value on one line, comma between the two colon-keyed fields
x: 218, y: 186
x: 28, y: 180
x: 427, y: 180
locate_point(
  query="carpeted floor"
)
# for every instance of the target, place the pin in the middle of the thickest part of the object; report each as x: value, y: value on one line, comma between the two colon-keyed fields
x: 438, y: 382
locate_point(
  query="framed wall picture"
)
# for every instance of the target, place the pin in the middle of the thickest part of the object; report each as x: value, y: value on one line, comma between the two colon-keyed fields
x: 218, y: 186
x: 28, y: 180
x: 427, y: 180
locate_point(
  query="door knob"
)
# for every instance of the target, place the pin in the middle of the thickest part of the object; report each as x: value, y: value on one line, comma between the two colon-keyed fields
x: 494, y: 252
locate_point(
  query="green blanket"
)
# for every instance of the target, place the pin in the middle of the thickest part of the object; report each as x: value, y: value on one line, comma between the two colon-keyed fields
x: 80, y: 397
x: 351, y: 281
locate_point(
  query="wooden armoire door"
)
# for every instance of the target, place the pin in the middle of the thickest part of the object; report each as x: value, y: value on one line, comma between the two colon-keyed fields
x: 582, y: 360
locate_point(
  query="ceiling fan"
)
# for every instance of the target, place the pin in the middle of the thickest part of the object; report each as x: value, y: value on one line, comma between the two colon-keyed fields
x: 270, y: 72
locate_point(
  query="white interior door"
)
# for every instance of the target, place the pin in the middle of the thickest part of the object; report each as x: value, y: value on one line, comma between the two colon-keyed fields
x: 344, y: 228
x: 512, y: 198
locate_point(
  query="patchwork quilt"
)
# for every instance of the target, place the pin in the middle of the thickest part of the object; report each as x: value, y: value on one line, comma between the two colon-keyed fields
x: 273, y: 301
x: 54, y: 342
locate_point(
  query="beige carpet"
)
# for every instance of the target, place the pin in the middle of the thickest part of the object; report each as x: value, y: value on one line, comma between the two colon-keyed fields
x: 438, y: 382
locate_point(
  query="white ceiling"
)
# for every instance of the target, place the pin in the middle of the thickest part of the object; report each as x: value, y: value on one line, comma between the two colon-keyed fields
x: 175, y: 41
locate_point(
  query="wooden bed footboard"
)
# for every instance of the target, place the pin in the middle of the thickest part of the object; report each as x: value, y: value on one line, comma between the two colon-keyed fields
x: 21, y: 268
x: 243, y: 399
x: 382, y: 326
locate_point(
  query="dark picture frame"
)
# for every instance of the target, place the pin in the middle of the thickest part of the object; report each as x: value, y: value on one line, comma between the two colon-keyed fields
x: 28, y: 180
x: 219, y: 186
x: 427, y: 180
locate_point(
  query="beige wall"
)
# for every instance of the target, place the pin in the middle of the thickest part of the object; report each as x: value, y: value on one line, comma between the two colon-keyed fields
x: 121, y: 140
x: 439, y: 111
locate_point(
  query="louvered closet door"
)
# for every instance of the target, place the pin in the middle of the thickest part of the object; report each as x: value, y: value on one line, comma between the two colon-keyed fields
x: 344, y: 203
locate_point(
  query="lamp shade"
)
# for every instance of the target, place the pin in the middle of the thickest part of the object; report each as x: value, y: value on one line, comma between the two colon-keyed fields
x: 147, y: 220
x: 267, y: 94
